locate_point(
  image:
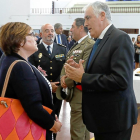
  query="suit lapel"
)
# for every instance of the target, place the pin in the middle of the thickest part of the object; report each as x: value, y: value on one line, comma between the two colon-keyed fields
x: 62, y: 38
x: 42, y: 85
x: 103, y: 41
x: 55, y: 47
x: 43, y: 50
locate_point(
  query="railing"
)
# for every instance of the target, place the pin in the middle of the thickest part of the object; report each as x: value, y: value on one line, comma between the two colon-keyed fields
x: 56, y: 10
x: 80, y: 10
x: 125, y: 9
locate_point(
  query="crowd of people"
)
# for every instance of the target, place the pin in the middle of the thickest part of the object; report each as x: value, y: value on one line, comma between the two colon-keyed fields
x: 94, y: 75
x: 137, y: 52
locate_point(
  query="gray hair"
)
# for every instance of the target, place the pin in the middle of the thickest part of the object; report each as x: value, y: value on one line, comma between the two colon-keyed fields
x: 79, y: 22
x: 99, y: 7
x: 57, y: 25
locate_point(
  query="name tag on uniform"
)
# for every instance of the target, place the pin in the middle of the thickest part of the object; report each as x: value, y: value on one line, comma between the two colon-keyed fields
x: 59, y: 56
x: 77, y: 51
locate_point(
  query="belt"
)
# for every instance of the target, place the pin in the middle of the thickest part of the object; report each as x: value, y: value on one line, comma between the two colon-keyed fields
x: 79, y: 87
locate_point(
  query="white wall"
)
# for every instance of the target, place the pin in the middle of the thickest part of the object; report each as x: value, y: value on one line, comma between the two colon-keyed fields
x: 11, y: 8
x: 19, y: 10
x: 40, y: 3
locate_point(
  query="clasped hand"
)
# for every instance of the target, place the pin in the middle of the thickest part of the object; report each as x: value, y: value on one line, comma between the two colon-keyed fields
x: 74, y: 70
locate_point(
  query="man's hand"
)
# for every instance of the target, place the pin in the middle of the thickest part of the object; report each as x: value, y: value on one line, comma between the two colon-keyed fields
x: 54, y: 86
x: 63, y: 84
x: 75, y: 73
x: 72, y: 63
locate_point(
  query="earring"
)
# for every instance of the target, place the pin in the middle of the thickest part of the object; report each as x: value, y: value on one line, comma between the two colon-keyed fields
x: 21, y: 44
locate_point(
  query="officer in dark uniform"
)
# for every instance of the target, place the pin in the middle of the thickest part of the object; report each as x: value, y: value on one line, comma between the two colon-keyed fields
x: 50, y: 57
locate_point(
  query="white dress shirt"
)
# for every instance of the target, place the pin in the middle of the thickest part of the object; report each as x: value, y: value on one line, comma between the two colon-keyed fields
x: 104, y: 31
x: 46, y: 46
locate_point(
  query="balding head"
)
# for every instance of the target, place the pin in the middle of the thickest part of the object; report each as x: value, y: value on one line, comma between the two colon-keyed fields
x: 47, y: 34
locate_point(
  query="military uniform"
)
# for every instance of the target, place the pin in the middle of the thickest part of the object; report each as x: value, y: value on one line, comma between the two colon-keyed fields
x: 78, y: 129
x: 52, y: 65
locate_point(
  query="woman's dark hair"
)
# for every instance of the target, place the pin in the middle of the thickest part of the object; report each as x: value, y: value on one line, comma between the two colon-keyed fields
x: 12, y: 35
x: 137, y: 39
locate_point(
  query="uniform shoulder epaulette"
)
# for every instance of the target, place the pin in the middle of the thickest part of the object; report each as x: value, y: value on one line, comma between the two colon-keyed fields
x: 90, y: 40
x: 61, y: 45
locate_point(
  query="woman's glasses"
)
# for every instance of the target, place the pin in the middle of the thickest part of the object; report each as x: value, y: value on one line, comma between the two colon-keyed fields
x: 31, y: 34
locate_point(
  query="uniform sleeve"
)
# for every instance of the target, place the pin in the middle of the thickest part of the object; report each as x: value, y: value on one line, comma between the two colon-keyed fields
x: 27, y: 89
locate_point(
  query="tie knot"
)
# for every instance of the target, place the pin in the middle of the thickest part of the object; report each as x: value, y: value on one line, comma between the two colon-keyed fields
x: 48, y: 47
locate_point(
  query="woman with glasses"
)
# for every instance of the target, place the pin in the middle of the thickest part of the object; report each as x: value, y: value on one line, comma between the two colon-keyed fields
x: 18, y: 42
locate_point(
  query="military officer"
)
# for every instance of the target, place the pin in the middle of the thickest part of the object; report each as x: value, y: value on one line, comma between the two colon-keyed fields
x: 80, y: 50
x: 50, y: 57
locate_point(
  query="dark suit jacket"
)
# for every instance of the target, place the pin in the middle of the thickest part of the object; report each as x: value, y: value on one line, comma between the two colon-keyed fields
x: 63, y: 39
x: 30, y: 88
x: 109, y: 103
x: 52, y: 65
x: 1, y: 52
x: 70, y: 44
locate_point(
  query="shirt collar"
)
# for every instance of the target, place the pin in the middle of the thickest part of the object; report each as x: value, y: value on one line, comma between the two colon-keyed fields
x: 51, y: 46
x: 104, y: 31
x: 79, y: 41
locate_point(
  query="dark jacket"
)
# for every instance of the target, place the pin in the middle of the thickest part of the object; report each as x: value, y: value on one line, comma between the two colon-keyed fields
x: 30, y: 88
x: 109, y: 103
x: 52, y: 65
x: 1, y: 52
x: 70, y: 44
x: 63, y: 39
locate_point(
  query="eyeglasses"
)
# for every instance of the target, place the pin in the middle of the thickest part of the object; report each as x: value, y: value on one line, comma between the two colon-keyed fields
x: 31, y: 34
x: 47, y: 31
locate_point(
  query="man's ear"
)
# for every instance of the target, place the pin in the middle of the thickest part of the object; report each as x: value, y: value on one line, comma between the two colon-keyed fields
x: 81, y: 27
x: 40, y: 34
x: 103, y: 15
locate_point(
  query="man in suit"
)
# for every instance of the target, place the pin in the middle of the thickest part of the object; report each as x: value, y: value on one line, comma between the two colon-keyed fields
x: 109, y: 106
x: 70, y: 42
x: 80, y: 51
x: 50, y: 57
x: 59, y: 37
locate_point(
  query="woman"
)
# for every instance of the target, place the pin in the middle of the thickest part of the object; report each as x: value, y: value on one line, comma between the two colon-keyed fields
x: 18, y: 43
x: 137, y: 56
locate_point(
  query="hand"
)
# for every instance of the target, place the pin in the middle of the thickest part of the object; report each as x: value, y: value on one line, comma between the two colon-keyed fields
x: 63, y: 84
x: 74, y: 73
x: 57, y: 120
x: 72, y: 63
x: 56, y: 127
x: 54, y: 86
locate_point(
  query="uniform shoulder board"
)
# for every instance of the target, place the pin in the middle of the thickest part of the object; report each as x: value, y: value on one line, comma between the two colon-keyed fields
x: 61, y: 45
x: 91, y: 40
